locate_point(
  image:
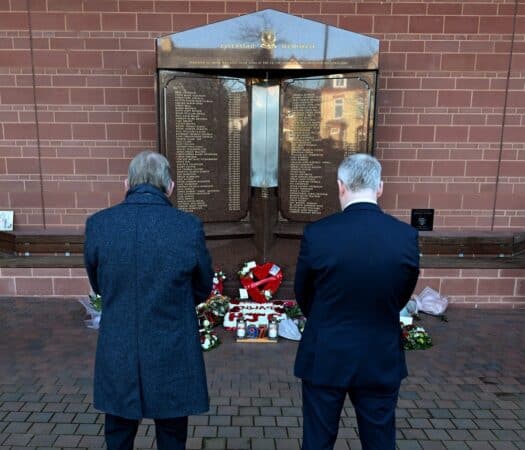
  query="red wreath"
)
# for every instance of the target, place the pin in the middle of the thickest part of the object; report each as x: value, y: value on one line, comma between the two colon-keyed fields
x: 266, y: 277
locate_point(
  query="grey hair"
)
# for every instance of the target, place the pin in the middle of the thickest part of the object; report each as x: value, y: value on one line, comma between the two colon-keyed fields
x: 360, y: 171
x: 151, y: 168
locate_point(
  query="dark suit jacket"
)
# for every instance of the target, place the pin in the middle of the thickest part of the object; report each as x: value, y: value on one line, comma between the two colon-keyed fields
x: 150, y: 264
x: 356, y: 270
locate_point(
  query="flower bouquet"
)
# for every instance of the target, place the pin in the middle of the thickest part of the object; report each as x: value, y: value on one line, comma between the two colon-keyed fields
x: 415, y: 338
x: 93, y: 307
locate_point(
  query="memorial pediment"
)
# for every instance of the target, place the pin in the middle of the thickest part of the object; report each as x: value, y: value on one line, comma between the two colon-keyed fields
x: 267, y: 39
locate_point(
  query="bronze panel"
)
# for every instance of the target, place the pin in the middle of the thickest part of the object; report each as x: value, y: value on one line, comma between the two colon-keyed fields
x: 323, y: 119
x: 205, y: 131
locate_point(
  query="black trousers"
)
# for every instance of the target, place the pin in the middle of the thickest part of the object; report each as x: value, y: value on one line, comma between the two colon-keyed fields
x: 375, y: 412
x: 120, y: 433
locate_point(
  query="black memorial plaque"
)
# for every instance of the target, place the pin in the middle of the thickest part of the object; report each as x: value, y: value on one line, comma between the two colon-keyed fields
x: 323, y: 120
x: 207, y: 144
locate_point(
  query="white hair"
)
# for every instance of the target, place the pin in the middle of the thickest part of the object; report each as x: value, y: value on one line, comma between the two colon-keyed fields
x: 360, y: 171
x: 151, y: 168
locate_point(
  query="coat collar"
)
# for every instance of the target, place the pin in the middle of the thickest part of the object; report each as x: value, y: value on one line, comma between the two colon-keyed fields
x: 362, y: 206
x: 146, y: 193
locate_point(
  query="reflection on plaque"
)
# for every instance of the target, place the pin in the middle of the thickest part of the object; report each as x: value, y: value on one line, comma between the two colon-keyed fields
x: 323, y: 120
x: 207, y: 143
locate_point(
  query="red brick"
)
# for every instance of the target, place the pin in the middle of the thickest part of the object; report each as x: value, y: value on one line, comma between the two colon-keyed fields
x: 241, y: 7
x: 390, y: 24
x: 104, y: 80
x: 420, y: 98
x: 50, y: 58
x: 417, y: 134
x: 59, y: 199
x: 121, y: 96
x: 390, y: 98
x: 55, y: 131
x: 66, y: 43
x: 57, y: 166
x: 454, y: 98
x: 19, y: 131
x: 415, y: 168
x: 91, y: 166
x: 85, y: 59
x: 64, y: 5
x: 13, y: 21
x: 496, y: 25
x: 16, y: 96
x: 458, y: 62
x: 83, y: 22
x: 147, y: 60
x: 496, y: 287
x: 15, y: 58
x: 119, y: 22
x: 148, y: 132
x: 490, y: 99
x: 472, y: 83
x: 105, y: 116
x: 52, y: 96
x: 451, y: 134
x: 434, y: 119
x: 123, y: 131
x: 172, y: 6
x: 69, y: 80
x: 186, y: 21
x: 101, y: 5
x: 92, y: 199
x: 461, y: 25
x: 154, y: 22
x: 407, y: 46
x: 412, y: 200
x: 484, y: 134
x: 438, y: 83
x: 89, y: 131
x: 409, y: 8
x: 48, y: 21
x: 508, y: 168
x: 103, y: 44
x: 120, y: 60
x: 87, y: 96
x: 118, y: 166
x: 426, y: 24
x: 136, y: 5
x: 337, y: 7
x: 393, y: 61
x: 448, y: 168
x: 71, y: 116
x: 442, y: 46
x: 374, y: 8
x: 514, y: 134
x: 481, y: 168
x: 483, y: 200
x: 430, y: 61
x: 33, y: 286
x: 444, y: 9
x: 7, y: 286
x: 146, y: 96
x: 25, y: 199
x: 492, y: 62
x: 461, y: 286
x: 357, y: 24
x: 388, y: 133
x: 70, y: 286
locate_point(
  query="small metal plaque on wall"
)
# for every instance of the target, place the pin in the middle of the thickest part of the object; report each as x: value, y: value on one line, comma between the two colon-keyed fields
x: 423, y: 219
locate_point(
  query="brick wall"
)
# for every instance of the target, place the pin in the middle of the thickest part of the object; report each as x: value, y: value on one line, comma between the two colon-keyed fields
x: 442, y: 124
x: 443, y: 86
x: 467, y: 287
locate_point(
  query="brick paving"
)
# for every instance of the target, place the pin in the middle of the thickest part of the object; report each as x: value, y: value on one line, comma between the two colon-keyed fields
x: 467, y: 392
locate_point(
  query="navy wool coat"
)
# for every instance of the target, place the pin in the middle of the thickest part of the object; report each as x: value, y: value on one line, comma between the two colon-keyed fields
x: 149, y: 262
x: 356, y: 270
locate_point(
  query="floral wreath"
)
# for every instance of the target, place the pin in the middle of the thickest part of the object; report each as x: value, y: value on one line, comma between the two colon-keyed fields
x: 260, y: 282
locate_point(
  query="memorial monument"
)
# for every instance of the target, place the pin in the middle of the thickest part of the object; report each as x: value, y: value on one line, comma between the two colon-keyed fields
x: 255, y: 114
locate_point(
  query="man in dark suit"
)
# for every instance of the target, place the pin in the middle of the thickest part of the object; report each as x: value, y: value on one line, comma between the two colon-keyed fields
x: 149, y: 262
x: 356, y: 270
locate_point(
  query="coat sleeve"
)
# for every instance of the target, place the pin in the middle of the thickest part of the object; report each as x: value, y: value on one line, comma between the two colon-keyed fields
x: 203, y: 272
x: 304, y: 277
x: 91, y: 256
x: 412, y: 268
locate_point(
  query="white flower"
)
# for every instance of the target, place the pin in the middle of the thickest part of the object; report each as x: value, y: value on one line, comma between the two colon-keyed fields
x: 206, y: 323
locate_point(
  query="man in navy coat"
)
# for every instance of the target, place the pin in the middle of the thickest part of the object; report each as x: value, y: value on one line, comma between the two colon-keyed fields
x: 149, y: 262
x: 356, y: 270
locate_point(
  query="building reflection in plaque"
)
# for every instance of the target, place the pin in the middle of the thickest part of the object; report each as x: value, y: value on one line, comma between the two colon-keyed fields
x: 324, y: 119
